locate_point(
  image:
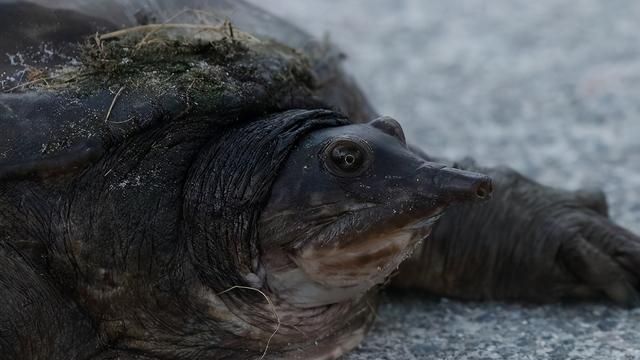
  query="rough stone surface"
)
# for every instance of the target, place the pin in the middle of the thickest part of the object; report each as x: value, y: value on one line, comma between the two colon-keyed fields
x: 549, y: 87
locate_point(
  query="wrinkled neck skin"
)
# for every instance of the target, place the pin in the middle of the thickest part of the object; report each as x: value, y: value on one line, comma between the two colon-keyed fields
x: 337, y: 270
x: 125, y: 262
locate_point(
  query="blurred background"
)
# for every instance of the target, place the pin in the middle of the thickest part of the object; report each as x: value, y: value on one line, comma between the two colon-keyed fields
x: 549, y: 87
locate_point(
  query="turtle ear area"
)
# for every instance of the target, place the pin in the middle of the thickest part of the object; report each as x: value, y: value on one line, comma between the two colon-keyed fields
x: 389, y: 126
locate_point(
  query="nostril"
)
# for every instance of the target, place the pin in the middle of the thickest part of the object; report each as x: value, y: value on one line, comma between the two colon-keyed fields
x: 484, y: 189
x: 455, y: 185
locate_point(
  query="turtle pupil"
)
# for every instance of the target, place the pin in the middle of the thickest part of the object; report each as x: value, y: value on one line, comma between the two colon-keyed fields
x: 344, y: 157
x: 348, y: 157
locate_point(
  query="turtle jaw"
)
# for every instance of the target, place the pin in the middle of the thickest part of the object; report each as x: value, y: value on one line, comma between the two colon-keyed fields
x: 368, y: 247
x: 350, y: 255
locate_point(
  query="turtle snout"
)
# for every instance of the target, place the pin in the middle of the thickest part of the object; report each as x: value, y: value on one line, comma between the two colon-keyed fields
x: 454, y: 185
x: 461, y: 185
x: 484, y: 189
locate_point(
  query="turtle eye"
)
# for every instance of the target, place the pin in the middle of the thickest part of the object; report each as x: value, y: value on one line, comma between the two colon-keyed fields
x: 347, y: 157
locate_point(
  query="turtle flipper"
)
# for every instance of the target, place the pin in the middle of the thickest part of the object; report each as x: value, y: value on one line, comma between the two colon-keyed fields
x: 597, y: 271
x: 529, y: 242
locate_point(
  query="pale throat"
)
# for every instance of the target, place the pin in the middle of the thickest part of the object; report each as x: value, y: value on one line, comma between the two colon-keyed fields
x: 323, y: 275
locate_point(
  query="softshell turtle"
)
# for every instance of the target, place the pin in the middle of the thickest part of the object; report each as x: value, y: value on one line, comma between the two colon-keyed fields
x: 200, y: 180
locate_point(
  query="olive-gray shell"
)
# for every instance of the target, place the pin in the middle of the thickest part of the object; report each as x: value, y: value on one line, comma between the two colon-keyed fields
x: 75, y: 83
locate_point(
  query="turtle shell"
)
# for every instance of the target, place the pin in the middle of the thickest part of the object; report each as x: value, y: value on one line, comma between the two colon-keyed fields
x: 83, y: 76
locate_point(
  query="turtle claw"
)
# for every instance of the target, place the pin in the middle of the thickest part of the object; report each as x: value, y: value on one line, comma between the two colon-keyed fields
x: 603, y: 263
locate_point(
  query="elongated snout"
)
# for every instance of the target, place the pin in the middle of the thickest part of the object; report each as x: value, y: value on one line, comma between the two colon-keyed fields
x: 461, y: 185
x: 453, y: 185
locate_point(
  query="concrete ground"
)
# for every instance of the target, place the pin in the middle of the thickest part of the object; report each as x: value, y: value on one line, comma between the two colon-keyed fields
x: 550, y: 87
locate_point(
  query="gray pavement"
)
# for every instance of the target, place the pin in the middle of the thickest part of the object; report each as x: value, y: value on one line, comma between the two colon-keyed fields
x: 550, y: 87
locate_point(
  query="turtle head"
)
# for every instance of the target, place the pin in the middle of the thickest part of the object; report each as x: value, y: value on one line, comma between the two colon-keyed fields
x: 348, y: 206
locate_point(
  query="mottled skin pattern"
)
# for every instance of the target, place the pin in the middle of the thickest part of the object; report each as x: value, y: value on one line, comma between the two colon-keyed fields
x: 106, y: 243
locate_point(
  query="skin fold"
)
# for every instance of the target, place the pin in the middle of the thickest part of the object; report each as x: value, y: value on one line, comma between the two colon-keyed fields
x: 239, y: 198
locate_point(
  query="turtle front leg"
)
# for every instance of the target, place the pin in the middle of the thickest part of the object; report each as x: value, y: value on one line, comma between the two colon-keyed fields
x: 529, y: 242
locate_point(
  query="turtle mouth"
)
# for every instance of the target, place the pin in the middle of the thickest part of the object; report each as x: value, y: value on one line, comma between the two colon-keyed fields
x: 348, y: 252
x: 371, y: 221
x: 362, y: 255
x: 429, y: 221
